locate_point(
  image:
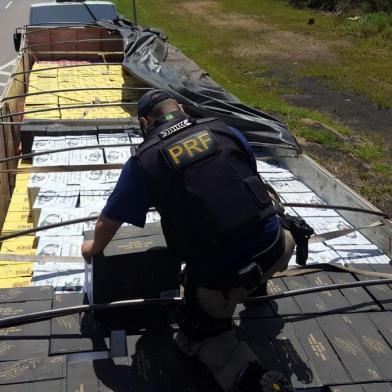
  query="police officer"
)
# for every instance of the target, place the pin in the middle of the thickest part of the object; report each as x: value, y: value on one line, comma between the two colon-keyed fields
x: 217, y: 216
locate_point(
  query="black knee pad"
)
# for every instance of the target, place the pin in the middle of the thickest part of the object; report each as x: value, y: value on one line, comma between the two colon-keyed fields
x: 199, y: 326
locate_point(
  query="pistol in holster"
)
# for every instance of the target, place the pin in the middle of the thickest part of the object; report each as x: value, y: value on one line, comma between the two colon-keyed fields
x: 301, y: 233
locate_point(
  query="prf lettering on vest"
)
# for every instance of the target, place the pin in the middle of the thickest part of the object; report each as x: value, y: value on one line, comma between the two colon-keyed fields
x: 195, y: 147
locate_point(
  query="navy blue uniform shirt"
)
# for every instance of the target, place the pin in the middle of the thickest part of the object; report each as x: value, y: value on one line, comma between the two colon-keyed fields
x: 131, y: 200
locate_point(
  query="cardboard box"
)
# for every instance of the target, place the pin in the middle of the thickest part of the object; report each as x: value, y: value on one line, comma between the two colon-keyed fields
x: 350, y: 350
x: 17, y: 216
x: 113, y: 138
x: 16, y: 282
x: 31, y: 370
x: 21, y: 245
x: 15, y: 269
x: 53, y: 159
x: 97, y: 195
x: 49, y: 246
x: 41, y: 386
x: 54, y: 197
x: 320, y: 352
x: 71, y: 247
x: 371, y: 387
x: 283, y: 306
x: 383, y: 322
x: 358, y: 297
x: 372, y: 341
x: 90, y: 225
x: 321, y: 302
x: 10, y: 227
x: 155, y: 363
x: 91, y: 156
x: 80, y: 140
x: 27, y: 134
x: 301, y: 371
x: 112, y: 176
x: 117, y: 154
x: 135, y: 264
x: 17, y: 349
x: 382, y: 293
x: 27, y: 331
x: 45, y: 143
x: 75, y: 332
x: 93, y: 177
x: 48, y: 217
x: 48, y: 180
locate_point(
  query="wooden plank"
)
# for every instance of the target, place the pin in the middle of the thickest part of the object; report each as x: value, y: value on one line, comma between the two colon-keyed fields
x: 4, y: 180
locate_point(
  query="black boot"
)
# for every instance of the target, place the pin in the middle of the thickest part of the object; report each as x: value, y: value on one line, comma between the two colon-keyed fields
x: 273, y: 381
x: 255, y: 379
x: 260, y: 291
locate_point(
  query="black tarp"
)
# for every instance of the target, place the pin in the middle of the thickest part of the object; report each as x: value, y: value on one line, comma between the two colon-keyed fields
x: 150, y: 58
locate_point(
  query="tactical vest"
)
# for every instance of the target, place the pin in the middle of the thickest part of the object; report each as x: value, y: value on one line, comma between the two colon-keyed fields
x: 204, y: 184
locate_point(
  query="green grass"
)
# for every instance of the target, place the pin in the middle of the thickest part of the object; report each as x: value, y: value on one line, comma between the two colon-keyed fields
x: 355, y: 56
x: 376, y: 25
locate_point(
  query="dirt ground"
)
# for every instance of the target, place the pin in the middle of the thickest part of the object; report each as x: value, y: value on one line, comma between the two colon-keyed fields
x: 281, y: 51
x: 352, y: 110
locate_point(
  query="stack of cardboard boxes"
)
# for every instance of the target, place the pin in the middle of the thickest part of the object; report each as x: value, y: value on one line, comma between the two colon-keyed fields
x: 53, y: 76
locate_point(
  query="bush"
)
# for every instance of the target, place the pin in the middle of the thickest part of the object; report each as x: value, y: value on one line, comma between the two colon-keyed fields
x: 346, y: 5
x: 375, y: 25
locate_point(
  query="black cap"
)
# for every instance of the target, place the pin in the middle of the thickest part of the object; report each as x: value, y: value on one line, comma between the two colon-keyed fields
x: 150, y: 99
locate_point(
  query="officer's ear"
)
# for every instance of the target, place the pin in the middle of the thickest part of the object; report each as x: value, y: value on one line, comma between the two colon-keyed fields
x: 143, y: 125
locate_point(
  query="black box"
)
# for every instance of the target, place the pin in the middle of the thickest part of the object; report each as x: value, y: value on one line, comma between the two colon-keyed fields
x: 99, y: 375
x: 254, y: 333
x: 27, y: 133
x: 76, y: 332
x: 26, y: 294
x: 320, y: 302
x: 358, y: 297
x: 16, y: 349
x: 349, y: 349
x: 158, y: 365
x: 135, y: 264
x: 375, y: 346
x: 30, y: 370
x: 27, y: 331
x: 383, y: 322
x: 333, y: 299
x: 372, y: 387
x: 382, y: 293
x: 284, y: 306
x: 153, y: 364
x: 301, y: 372
x: 320, y: 353
x: 38, y: 386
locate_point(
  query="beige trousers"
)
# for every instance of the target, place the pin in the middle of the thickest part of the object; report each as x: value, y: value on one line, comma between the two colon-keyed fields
x: 225, y: 355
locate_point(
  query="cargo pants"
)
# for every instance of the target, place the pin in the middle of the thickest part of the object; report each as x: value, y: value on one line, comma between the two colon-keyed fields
x: 224, y: 354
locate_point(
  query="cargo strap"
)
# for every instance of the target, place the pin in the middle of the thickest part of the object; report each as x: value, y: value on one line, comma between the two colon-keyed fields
x: 332, y: 268
x: 64, y: 168
x: 338, y: 233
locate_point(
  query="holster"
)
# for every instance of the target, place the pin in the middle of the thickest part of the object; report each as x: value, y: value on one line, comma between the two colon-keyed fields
x: 250, y: 277
x: 301, y: 233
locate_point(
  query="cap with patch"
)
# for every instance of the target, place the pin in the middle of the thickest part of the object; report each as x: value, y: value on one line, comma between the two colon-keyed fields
x: 150, y: 99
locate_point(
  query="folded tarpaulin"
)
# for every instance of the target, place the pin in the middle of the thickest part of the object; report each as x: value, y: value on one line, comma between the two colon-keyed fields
x: 149, y: 57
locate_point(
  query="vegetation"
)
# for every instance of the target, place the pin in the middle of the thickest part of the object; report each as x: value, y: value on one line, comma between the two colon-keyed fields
x: 346, y: 5
x: 260, y: 49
